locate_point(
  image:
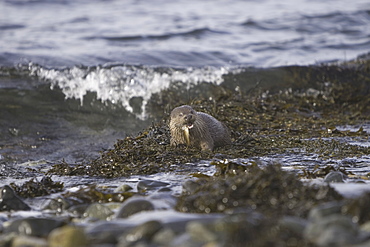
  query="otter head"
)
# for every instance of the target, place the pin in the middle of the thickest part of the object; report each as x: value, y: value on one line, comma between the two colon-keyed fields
x: 184, y: 117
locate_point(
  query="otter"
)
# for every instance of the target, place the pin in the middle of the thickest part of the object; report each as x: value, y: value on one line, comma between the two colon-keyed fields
x: 197, y: 129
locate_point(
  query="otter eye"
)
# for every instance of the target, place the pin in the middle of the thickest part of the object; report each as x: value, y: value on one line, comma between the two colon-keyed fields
x: 181, y: 114
x: 192, y: 112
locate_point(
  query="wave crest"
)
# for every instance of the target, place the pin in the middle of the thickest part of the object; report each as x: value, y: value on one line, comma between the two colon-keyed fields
x: 118, y: 84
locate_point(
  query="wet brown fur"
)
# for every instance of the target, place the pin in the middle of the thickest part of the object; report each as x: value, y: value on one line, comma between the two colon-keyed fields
x: 206, y: 134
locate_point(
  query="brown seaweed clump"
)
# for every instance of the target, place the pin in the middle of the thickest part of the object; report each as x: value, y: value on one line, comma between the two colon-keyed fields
x: 302, y: 118
x: 147, y: 153
x: 35, y: 188
x: 270, y: 191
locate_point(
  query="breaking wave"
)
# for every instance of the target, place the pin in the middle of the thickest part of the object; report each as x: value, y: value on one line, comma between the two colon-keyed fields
x: 119, y: 84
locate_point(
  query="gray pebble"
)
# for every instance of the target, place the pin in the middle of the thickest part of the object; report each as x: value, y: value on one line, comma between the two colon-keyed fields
x: 333, y: 230
x: 107, y: 232
x: 10, y: 201
x: 164, y: 236
x: 334, y: 177
x: 134, y: 205
x: 123, y: 188
x: 190, y: 186
x: 98, y: 211
x: 294, y: 224
x: 29, y: 241
x: 324, y: 210
x: 143, y: 232
x: 200, y: 232
x: 67, y: 236
x: 40, y: 227
x: 145, y: 185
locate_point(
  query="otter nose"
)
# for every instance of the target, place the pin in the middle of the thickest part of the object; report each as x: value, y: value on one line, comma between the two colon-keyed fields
x: 188, y: 117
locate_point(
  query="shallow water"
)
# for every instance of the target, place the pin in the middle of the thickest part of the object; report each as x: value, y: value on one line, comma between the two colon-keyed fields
x: 75, y: 76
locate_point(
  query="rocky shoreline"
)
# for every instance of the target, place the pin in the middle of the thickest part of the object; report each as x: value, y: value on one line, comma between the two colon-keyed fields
x: 239, y: 206
x: 248, y: 200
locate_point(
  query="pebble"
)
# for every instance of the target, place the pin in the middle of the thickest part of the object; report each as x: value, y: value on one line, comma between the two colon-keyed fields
x: 29, y: 241
x: 164, y: 236
x: 145, y: 185
x: 162, y: 200
x: 134, y: 205
x: 7, y: 238
x: 319, y: 212
x: 123, y: 188
x: 190, y: 186
x: 332, y: 230
x: 200, y: 232
x: 107, y: 232
x: 40, y: 227
x: 78, y: 210
x: 98, y: 211
x: 366, y: 226
x: 58, y: 204
x: 10, y: 201
x: 141, y: 233
x: 334, y: 177
x: 293, y: 224
x: 67, y: 236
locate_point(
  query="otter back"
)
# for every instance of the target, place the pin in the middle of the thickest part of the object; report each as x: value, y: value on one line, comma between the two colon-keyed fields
x: 218, y: 130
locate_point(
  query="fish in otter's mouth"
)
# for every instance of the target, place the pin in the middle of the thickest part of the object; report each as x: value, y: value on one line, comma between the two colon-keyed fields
x: 188, y: 126
x: 186, y: 129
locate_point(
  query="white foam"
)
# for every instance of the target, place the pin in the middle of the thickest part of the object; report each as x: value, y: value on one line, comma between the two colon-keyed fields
x: 118, y: 84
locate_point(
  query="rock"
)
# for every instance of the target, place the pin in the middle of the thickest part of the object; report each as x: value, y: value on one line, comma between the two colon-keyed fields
x: 134, y: 205
x: 366, y: 226
x: 184, y: 240
x: 190, y: 186
x: 98, y: 211
x: 123, y: 188
x: 248, y: 228
x: 334, y: 177
x: 324, y: 210
x: 107, y: 232
x: 29, y: 241
x: 7, y: 238
x: 162, y: 200
x: 164, y: 189
x: 39, y: 227
x: 78, y: 210
x: 143, y: 232
x: 293, y: 224
x: 58, y: 204
x: 200, y: 232
x: 145, y: 185
x: 332, y: 230
x: 10, y: 201
x: 67, y: 236
x: 164, y: 236
x: 358, y: 208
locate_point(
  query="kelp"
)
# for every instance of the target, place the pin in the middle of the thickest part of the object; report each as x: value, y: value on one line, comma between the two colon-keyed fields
x: 269, y: 190
x: 303, y: 118
x: 35, y: 188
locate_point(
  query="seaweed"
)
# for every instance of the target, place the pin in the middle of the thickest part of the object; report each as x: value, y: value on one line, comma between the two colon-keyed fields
x: 35, y: 188
x: 303, y: 118
x: 93, y: 193
x: 268, y: 190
